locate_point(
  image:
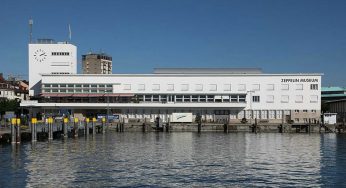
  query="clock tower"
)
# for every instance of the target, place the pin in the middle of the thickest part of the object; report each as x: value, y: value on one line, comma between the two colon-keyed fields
x: 49, y: 57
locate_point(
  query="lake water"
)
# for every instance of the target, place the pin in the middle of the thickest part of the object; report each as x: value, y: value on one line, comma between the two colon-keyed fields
x: 181, y: 159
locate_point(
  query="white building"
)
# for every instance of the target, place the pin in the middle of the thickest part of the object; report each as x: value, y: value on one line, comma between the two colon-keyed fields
x: 49, y: 57
x: 217, y: 94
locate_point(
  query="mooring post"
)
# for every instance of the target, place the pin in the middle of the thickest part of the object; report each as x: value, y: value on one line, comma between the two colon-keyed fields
x: 50, y: 135
x: 103, y: 125
x: 168, y: 125
x: 65, y: 127
x: 75, y: 127
x: 13, y: 130
x: 86, y: 128
x: 33, y: 129
x: 309, y: 128
x: 122, y: 125
x: 255, y: 125
x: 93, y: 126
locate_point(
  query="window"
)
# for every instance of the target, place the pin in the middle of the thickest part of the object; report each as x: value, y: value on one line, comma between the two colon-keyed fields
x: 256, y: 98
x: 299, y: 86
x: 264, y: 114
x: 186, y: 98
x: 305, y: 110
x: 271, y: 114
x: 212, y: 87
x: 70, y: 85
x: 256, y: 87
x: 270, y: 98
x: 299, y: 98
x: 199, y: 87
x: 284, y: 87
x: 156, y: 87
x: 127, y: 86
x: 314, y: 86
x: 270, y: 87
x: 184, y: 87
x: 313, y: 98
x: 141, y: 87
x: 296, y: 111
x: 62, y: 85
x: 284, y: 98
x: 242, y: 98
x: 313, y: 111
x: 170, y: 87
x: 234, y: 98
x: 241, y: 87
x: 227, y: 87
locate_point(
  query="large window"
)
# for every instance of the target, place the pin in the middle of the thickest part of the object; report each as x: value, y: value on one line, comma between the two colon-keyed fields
x: 299, y: 86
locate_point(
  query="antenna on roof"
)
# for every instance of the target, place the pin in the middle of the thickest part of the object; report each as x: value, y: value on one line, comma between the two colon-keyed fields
x: 31, y: 22
x: 69, y: 32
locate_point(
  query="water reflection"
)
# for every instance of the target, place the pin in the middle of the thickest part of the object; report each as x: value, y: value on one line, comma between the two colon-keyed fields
x: 178, y: 159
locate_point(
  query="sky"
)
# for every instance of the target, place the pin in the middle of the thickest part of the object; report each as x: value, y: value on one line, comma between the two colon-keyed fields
x: 292, y: 36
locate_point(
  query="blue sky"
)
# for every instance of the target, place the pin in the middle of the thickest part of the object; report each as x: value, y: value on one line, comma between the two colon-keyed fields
x: 291, y: 36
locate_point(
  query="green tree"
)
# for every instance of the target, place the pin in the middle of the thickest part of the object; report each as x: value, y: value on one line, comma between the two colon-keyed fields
x: 9, y: 105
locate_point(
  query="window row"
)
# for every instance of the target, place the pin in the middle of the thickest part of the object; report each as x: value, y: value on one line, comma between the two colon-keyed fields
x: 286, y: 99
x: 77, y: 86
x: 77, y: 91
x: 60, y: 53
x: 212, y: 87
x: 190, y: 98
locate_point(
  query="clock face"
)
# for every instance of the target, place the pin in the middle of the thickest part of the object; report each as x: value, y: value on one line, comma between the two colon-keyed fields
x: 40, y: 55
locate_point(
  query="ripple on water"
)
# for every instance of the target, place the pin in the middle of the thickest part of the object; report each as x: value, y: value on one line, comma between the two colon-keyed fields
x: 177, y: 160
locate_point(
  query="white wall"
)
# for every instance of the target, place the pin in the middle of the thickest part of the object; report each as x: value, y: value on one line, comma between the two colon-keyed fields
x: 119, y: 82
x: 51, y: 64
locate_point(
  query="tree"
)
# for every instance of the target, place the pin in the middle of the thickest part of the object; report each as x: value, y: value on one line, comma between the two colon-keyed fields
x: 9, y: 105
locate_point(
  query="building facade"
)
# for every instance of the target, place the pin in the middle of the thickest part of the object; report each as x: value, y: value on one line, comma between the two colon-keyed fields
x: 97, y: 63
x: 49, y: 57
x: 228, y: 95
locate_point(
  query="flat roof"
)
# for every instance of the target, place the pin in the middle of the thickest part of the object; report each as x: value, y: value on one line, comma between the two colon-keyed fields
x: 207, y: 71
x: 180, y: 75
